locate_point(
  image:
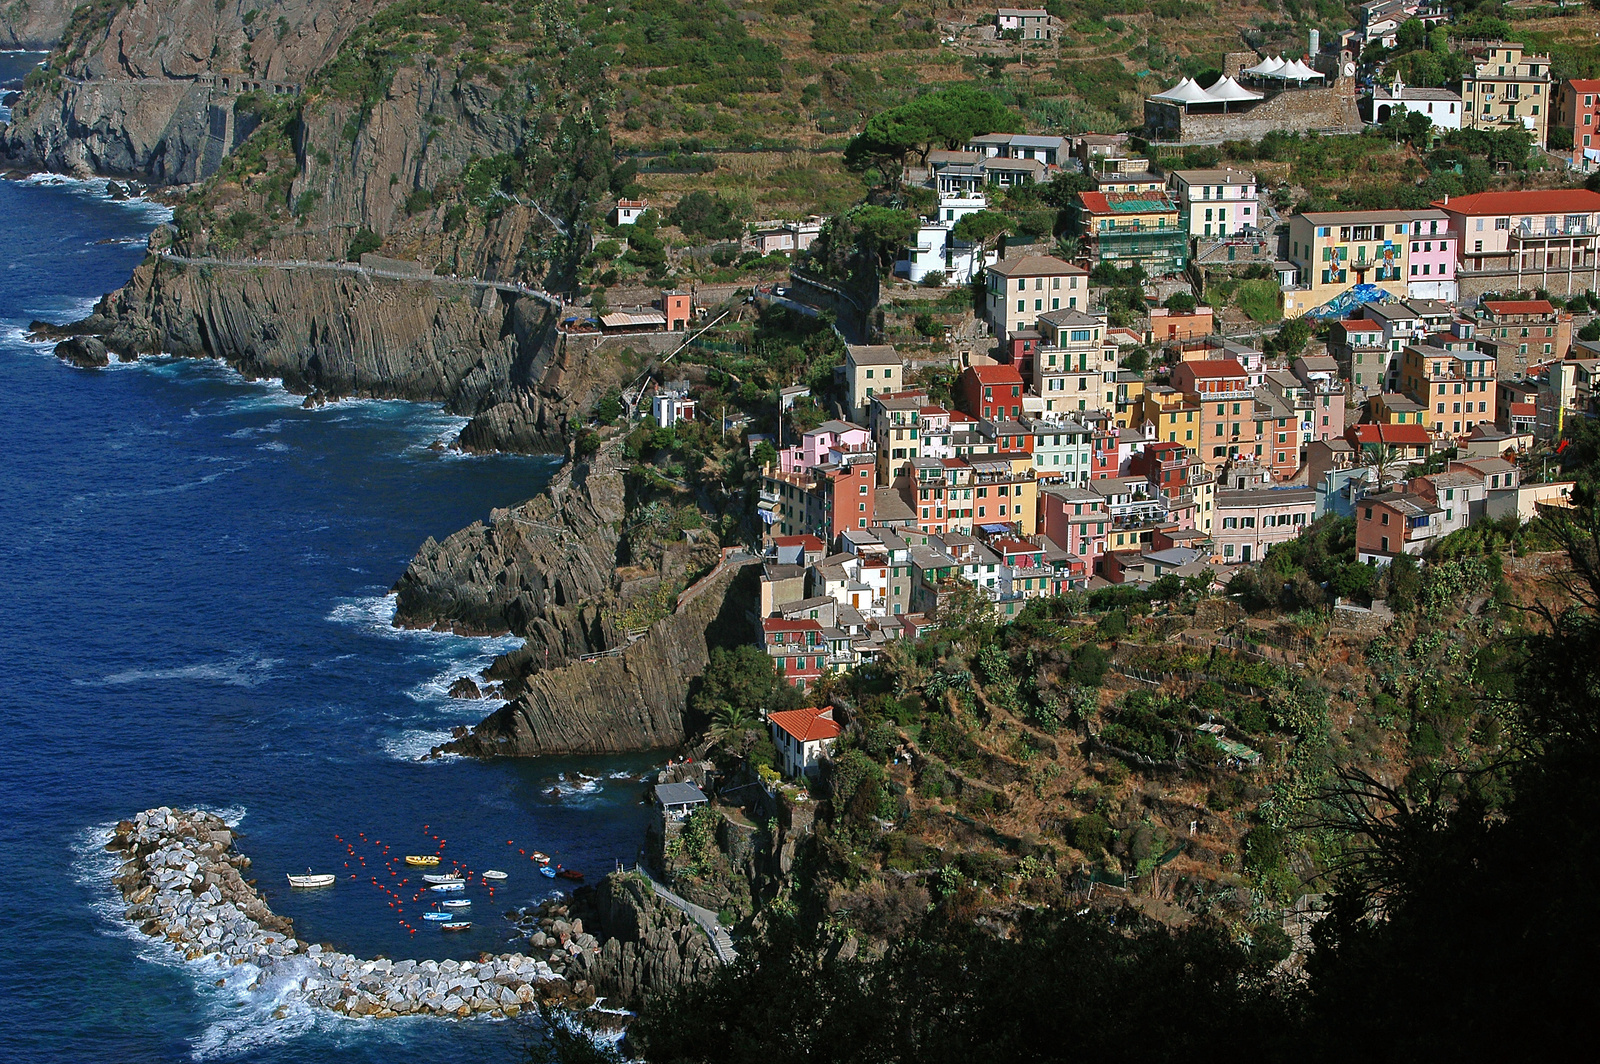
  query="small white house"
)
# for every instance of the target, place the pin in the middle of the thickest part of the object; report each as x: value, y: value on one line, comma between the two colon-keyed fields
x: 628, y: 211
x: 803, y: 737
x: 672, y: 405
x: 936, y: 251
x: 1032, y: 22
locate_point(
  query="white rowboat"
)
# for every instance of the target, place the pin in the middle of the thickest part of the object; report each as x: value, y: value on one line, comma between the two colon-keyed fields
x: 456, y: 903
x: 447, y: 877
x: 492, y: 874
x: 312, y: 881
x: 448, y: 887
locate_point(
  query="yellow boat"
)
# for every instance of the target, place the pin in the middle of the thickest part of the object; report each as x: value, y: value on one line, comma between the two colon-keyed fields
x: 422, y: 862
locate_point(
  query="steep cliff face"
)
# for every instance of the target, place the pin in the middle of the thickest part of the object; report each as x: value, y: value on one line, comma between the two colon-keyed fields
x: 149, y: 88
x: 631, y: 700
x: 33, y: 23
x: 648, y: 946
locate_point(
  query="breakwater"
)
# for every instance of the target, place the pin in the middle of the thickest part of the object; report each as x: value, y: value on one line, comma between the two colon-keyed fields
x: 183, y: 880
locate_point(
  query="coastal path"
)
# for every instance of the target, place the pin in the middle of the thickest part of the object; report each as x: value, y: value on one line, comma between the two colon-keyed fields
x: 366, y: 272
x: 721, y: 941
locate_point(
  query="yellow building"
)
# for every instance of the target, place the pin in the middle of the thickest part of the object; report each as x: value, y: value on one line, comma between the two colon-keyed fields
x: 1175, y: 417
x: 1456, y: 389
x: 1392, y: 408
x: 1332, y: 251
x: 1506, y: 88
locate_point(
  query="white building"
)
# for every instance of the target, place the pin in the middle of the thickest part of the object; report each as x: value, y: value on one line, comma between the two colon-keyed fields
x: 1216, y: 203
x: 803, y: 737
x: 672, y: 405
x: 1062, y: 448
x: 1442, y: 106
x: 628, y: 211
x: 936, y: 251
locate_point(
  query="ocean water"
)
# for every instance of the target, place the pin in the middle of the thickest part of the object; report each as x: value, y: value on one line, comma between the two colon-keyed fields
x: 195, y: 612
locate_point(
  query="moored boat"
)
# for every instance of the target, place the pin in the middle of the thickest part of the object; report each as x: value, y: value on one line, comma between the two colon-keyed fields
x: 443, y: 877
x: 428, y: 861
x: 457, y: 903
x: 313, y: 880
x: 539, y: 857
x: 548, y: 872
x: 437, y: 916
x: 570, y: 873
x: 456, y: 925
x: 493, y: 874
x: 448, y: 888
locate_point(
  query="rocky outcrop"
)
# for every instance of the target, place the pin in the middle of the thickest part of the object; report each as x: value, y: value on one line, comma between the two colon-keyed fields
x: 532, y: 569
x: 85, y: 352
x: 33, y: 23
x: 647, y: 946
x: 634, y: 699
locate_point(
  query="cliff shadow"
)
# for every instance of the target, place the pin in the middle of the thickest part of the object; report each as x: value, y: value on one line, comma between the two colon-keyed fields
x: 731, y: 627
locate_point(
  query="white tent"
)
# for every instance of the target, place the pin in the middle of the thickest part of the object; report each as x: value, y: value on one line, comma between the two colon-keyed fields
x: 1185, y: 91
x: 1266, y: 68
x: 1229, y: 91
x: 1298, y: 71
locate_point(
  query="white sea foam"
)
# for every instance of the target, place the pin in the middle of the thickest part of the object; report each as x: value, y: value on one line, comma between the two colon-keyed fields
x: 414, y: 744
x: 233, y: 672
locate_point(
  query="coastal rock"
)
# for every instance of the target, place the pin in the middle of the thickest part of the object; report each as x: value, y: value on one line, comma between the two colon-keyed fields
x: 34, y: 23
x: 465, y: 688
x: 85, y: 352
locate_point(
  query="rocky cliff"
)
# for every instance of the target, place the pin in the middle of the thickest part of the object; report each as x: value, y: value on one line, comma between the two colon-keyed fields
x: 633, y: 699
x: 33, y: 23
x: 647, y: 945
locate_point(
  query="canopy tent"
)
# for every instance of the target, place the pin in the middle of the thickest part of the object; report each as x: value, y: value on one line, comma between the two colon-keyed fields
x: 1185, y: 91
x: 1266, y: 68
x: 1297, y: 71
x: 1229, y: 91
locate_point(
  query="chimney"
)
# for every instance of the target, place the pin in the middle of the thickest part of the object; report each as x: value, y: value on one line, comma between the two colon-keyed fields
x: 1447, y: 197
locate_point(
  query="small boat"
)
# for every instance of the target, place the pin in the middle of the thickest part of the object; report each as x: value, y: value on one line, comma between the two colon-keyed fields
x: 456, y: 925
x: 309, y: 880
x: 447, y: 877
x: 548, y: 872
x: 448, y: 888
x: 539, y: 857
x: 437, y: 916
x: 457, y: 903
x: 571, y: 873
x: 492, y: 874
x: 422, y: 862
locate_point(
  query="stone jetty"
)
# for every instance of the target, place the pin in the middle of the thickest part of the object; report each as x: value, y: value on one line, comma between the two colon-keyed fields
x: 183, y: 881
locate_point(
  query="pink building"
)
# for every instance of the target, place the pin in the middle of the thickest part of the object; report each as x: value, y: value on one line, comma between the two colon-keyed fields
x: 823, y: 444
x: 1075, y: 519
x: 1432, y: 261
x: 1248, y: 522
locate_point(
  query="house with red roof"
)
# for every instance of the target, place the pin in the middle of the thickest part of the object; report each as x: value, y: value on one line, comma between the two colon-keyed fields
x: 991, y: 393
x: 1411, y: 442
x: 1537, y: 238
x: 803, y: 738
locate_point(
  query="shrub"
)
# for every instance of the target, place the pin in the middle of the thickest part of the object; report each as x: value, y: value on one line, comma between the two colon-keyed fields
x: 364, y: 241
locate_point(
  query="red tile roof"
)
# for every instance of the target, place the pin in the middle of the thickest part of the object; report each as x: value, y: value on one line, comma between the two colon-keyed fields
x: 995, y: 374
x: 807, y: 725
x: 1520, y: 306
x: 932, y: 410
x: 1584, y: 84
x: 1526, y: 409
x: 1533, y: 201
x: 808, y: 542
x: 1405, y: 435
x: 1217, y: 367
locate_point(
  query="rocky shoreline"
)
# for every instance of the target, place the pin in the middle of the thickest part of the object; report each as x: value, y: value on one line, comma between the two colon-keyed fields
x: 183, y: 881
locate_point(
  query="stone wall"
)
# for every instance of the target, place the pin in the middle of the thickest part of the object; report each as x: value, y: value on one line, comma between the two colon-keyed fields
x: 1326, y: 110
x: 1561, y: 283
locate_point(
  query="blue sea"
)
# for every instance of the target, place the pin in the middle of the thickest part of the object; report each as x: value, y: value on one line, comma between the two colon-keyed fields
x: 195, y: 611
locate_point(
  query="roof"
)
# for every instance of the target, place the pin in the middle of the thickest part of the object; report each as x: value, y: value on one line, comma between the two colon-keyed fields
x: 1126, y: 202
x: 1361, y: 325
x: 1359, y: 217
x: 1405, y: 435
x: 1487, y: 465
x: 873, y: 355
x: 1412, y: 92
x: 622, y: 319
x: 1398, y: 402
x: 1069, y: 317
x: 680, y: 794
x: 1216, y: 367
x: 1544, y: 201
x: 808, y: 542
x: 1225, y: 176
x: 888, y: 505
x: 1031, y: 12
x: 1404, y: 502
x: 1241, y: 497
x: 995, y: 374
x: 785, y: 624
x: 1041, y: 265
x: 1519, y: 306
x: 1454, y: 480
x: 1585, y: 84
x: 1524, y: 409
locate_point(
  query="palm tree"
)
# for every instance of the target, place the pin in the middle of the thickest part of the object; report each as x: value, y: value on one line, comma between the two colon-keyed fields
x: 729, y: 721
